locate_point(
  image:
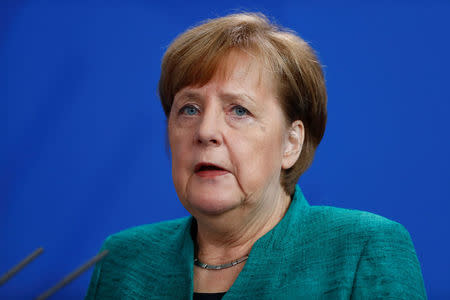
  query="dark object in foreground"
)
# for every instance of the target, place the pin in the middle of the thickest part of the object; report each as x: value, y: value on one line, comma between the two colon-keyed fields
x: 16, y: 269
x: 66, y: 280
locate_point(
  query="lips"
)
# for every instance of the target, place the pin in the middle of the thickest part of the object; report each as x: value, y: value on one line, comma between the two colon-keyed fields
x: 209, y: 170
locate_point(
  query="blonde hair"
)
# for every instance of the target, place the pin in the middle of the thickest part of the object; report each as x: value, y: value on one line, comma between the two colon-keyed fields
x: 194, y: 56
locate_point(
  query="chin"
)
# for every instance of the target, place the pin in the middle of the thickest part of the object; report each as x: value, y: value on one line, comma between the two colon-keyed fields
x: 210, y: 196
x: 211, y: 202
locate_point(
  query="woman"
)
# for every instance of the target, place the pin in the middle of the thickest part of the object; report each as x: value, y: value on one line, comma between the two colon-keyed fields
x: 246, y: 108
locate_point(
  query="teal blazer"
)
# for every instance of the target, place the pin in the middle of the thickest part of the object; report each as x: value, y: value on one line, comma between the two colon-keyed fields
x: 314, y: 252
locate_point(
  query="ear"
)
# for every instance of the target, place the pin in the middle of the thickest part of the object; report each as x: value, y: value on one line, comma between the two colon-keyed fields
x: 293, y: 144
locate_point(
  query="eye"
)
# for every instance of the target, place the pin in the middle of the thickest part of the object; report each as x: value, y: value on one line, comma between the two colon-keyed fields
x: 189, y: 110
x: 240, y: 111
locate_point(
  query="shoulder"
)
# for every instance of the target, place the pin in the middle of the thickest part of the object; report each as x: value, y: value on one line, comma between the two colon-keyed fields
x: 377, y: 254
x: 151, y: 232
x: 160, y: 234
x: 139, y: 255
x: 341, y: 225
x: 336, y: 231
x: 383, y: 261
x: 356, y: 224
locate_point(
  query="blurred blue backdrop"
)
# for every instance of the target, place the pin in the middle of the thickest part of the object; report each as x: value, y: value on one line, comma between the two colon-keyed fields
x: 83, y: 133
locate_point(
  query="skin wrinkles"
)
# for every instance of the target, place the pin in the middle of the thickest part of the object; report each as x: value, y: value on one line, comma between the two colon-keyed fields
x: 235, y: 209
x: 188, y: 96
x: 214, y: 120
x: 229, y: 100
x: 232, y: 166
x: 256, y: 217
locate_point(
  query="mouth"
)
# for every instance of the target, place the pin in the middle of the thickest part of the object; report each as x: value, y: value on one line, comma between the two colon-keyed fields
x: 209, y: 170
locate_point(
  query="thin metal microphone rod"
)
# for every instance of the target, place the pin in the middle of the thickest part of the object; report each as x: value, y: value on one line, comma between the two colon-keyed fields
x: 7, y: 276
x: 66, y: 280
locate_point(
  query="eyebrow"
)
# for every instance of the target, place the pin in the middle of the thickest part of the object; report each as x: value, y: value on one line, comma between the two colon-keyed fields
x: 192, y: 95
x: 243, y: 96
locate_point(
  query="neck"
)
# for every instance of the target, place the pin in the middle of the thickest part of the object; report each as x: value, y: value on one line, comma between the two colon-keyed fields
x: 227, y: 237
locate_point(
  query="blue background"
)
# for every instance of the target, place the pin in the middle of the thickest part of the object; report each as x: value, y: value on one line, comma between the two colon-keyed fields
x: 83, y: 133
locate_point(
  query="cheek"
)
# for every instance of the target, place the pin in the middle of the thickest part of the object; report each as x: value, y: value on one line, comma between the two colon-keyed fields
x: 257, y: 158
x: 179, y: 148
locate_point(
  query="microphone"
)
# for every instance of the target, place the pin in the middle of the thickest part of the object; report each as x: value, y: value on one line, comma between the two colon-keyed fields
x: 7, y: 276
x: 66, y: 280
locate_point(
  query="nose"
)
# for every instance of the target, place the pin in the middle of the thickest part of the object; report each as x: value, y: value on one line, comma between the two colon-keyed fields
x: 209, y: 132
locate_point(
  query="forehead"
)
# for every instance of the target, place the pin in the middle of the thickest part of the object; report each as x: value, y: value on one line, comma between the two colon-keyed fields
x: 237, y: 74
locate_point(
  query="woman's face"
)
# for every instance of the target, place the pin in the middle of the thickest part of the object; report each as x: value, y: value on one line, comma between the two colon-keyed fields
x: 227, y: 139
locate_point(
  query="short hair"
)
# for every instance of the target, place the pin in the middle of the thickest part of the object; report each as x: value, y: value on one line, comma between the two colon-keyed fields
x: 194, y: 56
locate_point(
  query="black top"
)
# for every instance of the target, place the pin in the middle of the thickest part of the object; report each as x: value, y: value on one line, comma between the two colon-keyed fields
x: 208, y: 296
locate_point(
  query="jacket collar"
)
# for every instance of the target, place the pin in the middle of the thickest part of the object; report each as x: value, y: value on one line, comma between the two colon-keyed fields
x: 266, y: 251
